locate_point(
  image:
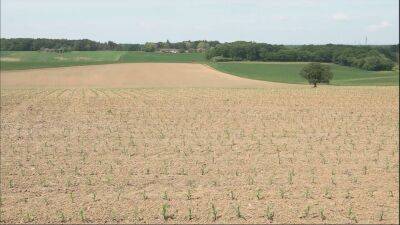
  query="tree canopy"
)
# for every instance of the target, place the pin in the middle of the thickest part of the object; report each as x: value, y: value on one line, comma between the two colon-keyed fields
x: 316, y: 73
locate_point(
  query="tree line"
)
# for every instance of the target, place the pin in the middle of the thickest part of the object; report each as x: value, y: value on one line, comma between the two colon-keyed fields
x: 364, y: 57
x: 30, y: 44
x: 183, y: 46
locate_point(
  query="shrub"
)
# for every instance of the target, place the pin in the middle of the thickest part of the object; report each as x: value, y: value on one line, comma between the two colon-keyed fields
x: 221, y: 59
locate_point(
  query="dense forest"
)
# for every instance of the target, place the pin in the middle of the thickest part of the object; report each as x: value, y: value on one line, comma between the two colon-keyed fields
x: 382, y: 57
x: 30, y: 44
x: 365, y: 57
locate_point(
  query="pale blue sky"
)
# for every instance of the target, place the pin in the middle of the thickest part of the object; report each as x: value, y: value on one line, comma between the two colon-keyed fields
x: 271, y: 21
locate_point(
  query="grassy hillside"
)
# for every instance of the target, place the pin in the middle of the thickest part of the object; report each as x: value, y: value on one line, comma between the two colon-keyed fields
x: 161, y: 57
x: 28, y: 60
x: 289, y: 73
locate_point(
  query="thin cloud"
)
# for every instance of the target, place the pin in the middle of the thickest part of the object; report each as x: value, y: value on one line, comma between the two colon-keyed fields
x: 340, y: 17
x: 382, y: 25
x: 281, y: 18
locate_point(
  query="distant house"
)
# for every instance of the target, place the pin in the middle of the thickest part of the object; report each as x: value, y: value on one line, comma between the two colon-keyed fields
x: 169, y: 50
x: 59, y: 50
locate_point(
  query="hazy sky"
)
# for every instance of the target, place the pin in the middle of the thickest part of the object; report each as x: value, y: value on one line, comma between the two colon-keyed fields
x: 271, y: 21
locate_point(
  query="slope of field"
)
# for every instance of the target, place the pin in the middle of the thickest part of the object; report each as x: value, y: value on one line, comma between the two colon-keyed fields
x: 126, y: 75
x: 289, y: 73
x: 19, y: 60
x: 162, y: 57
x: 281, y: 154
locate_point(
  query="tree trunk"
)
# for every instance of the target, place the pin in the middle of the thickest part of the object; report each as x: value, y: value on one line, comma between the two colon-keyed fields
x: 315, y: 85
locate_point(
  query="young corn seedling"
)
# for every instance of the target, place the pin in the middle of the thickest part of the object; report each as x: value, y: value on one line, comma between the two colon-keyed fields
x: 371, y: 193
x: 251, y: 181
x: 165, y: 196
x: 165, y: 211
x: 351, y: 215
x: 279, y: 155
x: 290, y: 177
x: 238, y: 213
x: 135, y: 215
x: 144, y: 195
x: 232, y: 196
x: 306, y: 212
x: 365, y: 170
x: 113, y: 215
x: 203, y: 169
x: 282, y: 193
x: 270, y: 213
x: 327, y: 194
x: 94, y: 196
x: 29, y: 218
x: 82, y: 215
x: 381, y: 215
x: 307, y: 194
x: 71, y: 196
x: 322, y: 214
x: 190, y: 214
x: 387, y: 167
x: 348, y: 195
x: 258, y: 194
x: 214, y: 212
x: 313, y: 176
x: 189, y: 195
x: 11, y: 184
x: 271, y: 180
x: 62, y: 217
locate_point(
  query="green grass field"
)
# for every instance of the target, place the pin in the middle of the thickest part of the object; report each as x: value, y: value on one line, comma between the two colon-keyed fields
x: 284, y: 72
x: 162, y: 57
x: 289, y: 73
x: 30, y: 60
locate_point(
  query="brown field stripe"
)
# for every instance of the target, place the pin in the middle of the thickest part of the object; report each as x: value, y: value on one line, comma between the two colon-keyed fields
x: 58, y: 95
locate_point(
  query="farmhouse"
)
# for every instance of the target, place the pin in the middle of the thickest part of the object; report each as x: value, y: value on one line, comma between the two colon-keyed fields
x: 169, y: 50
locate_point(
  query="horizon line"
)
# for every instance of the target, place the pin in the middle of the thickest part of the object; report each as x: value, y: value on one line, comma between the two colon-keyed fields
x: 142, y: 43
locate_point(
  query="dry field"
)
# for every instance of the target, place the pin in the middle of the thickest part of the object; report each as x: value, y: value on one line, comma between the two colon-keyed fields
x: 126, y: 75
x: 200, y: 152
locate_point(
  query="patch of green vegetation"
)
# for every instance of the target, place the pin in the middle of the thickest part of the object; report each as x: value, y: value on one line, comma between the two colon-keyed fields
x: 289, y: 73
x: 162, y: 57
x: 19, y: 60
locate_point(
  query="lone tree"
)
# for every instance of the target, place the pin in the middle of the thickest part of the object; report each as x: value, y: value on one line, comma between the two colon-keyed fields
x: 316, y: 73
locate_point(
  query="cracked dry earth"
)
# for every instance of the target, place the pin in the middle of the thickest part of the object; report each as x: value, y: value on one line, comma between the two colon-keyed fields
x: 277, y: 154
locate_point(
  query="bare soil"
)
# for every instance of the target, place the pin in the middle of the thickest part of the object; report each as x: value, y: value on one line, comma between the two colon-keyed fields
x: 9, y: 59
x: 126, y: 75
x: 268, y: 153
